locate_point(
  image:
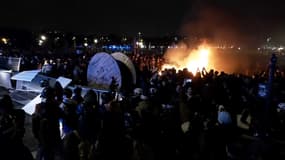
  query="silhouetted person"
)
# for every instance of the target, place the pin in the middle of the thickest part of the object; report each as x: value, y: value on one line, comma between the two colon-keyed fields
x: 46, y: 125
x: 12, y: 131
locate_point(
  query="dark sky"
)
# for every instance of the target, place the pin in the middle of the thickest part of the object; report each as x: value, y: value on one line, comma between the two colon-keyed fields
x: 151, y: 17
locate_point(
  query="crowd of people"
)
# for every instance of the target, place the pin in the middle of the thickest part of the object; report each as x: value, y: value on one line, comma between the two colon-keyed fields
x: 171, y: 115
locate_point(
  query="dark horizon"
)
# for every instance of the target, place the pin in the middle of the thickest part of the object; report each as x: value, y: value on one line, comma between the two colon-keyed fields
x: 217, y: 18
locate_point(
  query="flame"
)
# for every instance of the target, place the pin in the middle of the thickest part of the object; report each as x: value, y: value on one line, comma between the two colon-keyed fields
x: 198, y: 61
x: 193, y: 60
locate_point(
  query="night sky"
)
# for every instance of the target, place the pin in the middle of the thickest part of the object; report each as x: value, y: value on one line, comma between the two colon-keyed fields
x: 151, y: 17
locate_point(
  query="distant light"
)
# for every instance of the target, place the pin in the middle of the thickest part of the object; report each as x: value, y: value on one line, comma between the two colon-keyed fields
x: 4, y: 40
x: 41, y: 42
x: 239, y: 48
x: 73, y: 38
x: 280, y: 48
x: 43, y: 37
x: 85, y: 44
x: 85, y: 39
x: 140, y: 44
x: 96, y: 40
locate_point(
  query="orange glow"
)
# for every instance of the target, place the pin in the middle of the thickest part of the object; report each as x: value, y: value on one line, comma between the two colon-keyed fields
x: 193, y: 60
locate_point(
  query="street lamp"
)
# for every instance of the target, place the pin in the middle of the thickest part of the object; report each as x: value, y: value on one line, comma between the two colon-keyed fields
x: 41, y: 40
x: 4, y: 40
x: 43, y: 37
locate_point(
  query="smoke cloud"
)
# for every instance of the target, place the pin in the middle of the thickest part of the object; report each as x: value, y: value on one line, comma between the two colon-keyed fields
x: 238, y: 35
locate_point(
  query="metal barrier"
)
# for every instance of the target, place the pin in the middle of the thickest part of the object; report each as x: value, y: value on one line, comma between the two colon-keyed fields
x: 10, y: 63
x: 98, y: 92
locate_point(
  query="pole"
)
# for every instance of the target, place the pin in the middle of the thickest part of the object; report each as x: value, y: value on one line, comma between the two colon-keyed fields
x: 272, y: 69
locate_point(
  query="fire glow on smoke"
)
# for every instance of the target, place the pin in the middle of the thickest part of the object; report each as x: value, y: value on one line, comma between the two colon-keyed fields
x: 192, y: 59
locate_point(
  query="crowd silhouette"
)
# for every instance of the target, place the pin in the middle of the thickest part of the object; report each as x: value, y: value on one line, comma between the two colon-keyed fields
x: 171, y: 115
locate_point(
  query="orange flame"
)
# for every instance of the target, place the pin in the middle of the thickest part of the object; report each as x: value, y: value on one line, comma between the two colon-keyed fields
x: 193, y: 60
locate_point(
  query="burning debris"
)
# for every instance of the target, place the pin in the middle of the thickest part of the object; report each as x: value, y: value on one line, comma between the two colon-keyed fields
x: 192, y: 59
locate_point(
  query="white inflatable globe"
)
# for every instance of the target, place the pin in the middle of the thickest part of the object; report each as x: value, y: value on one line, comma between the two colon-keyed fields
x: 101, y: 68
